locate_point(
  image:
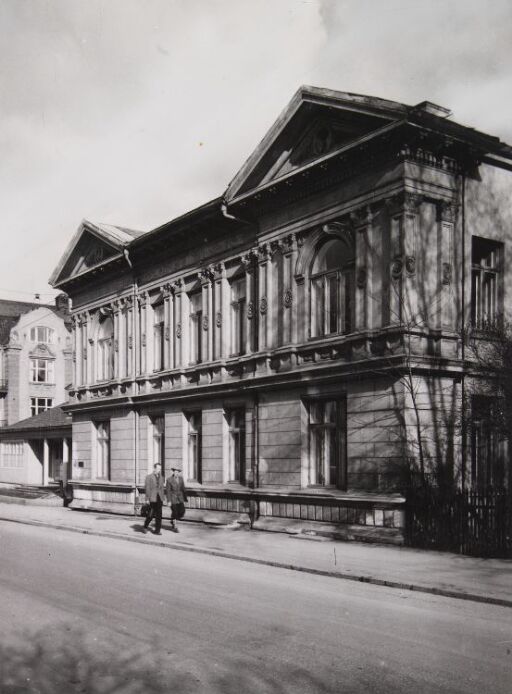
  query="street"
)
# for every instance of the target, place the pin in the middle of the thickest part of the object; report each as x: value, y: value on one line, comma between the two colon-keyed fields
x: 91, y: 614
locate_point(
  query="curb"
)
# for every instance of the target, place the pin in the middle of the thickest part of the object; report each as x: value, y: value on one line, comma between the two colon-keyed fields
x: 458, y: 595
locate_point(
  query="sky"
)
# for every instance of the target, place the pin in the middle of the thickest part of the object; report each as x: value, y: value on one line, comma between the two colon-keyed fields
x: 132, y: 112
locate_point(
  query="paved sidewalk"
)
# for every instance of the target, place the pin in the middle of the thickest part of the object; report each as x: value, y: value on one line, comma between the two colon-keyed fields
x: 481, y: 580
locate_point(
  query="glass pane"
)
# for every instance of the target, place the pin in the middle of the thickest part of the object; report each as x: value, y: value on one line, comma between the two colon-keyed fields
x: 331, y: 463
x: 330, y: 411
x: 332, y: 255
x: 317, y: 306
x: 316, y: 412
x: 332, y: 321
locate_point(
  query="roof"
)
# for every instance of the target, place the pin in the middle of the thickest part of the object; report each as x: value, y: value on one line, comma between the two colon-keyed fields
x: 116, y: 237
x: 54, y: 418
x: 10, y: 312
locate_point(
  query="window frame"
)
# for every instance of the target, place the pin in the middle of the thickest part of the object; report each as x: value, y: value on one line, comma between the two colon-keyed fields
x: 339, y: 427
x: 157, y: 441
x: 238, y: 316
x: 194, y: 444
x: 48, y: 370
x: 102, y: 439
x: 236, y: 440
x: 196, y: 327
x: 321, y: 283
x: 159, y: 337
x: 486, y: 283
x: 48, y: 332
x: 37, y: 408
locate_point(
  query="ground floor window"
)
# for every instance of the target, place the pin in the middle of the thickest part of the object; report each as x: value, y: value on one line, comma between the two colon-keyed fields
x: 236, y: 445
x: 488, y: 445
x: 38, y: 405
x: 327, y: 438
x: 158, y: 442
x: 193, y: 444
x: 102, y: 450
x: 11, y: 454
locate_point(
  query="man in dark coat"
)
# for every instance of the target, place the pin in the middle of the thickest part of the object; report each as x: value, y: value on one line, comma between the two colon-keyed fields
x: 177, y: 496
x: 155, y: 498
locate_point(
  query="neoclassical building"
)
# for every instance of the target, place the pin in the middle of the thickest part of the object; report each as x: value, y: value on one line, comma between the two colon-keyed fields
x: 295, y: 345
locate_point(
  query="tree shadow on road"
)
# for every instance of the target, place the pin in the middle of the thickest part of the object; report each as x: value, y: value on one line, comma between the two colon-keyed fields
x: 64, y: 660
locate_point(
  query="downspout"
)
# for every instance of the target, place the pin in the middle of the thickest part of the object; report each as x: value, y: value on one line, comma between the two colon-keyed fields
x: 134, y: 385
x: 228, y: 215
x: 463, y: 331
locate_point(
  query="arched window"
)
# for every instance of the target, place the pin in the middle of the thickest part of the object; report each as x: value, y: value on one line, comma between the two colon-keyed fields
x: 332, y: 289
x: 106, y: 349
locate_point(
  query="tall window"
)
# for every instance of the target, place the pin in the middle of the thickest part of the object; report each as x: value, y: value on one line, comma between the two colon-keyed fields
x: 158, y: 337
x: 327, y: 443
x: 42, y: 334
x: 106, y: 350
x: 102, y: 450
x: 332, y: 289
x: 158, y: 441
x: 486, y: 281
x: 487, y: 444
x: 194, y: 446
x: 236, y: 453
x: 42, y: 370
x: 196, y: 328
x: 38, y: 405
x: 238, y: 316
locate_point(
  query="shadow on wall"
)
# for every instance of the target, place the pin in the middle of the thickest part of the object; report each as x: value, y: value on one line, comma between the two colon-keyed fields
x: 63, y: 660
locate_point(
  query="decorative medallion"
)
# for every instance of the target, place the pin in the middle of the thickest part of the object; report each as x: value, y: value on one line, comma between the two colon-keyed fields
x: 130, y: 341
x: 447, y: 273
x: 205, y: 323
x: 116, y: 345
x: 361, y: 278
x: 250, y: 310
x: 410, y: 264
x: 288, y: 298
x: 263, y: 305
x: 143, y: 339
x: 167, y: 333
x: 178, y: 330
x: 218, y: 319
x: 396, y: 268
x: 84, y: 355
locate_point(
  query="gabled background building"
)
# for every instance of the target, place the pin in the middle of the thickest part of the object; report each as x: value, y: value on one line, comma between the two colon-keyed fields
x: 35, y: 370
x: 295, y: 346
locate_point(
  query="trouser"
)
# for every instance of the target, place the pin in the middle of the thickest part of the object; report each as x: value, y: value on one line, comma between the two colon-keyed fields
x: 155, y: 511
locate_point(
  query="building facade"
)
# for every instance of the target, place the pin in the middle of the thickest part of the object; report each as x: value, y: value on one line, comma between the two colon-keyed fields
x: 35, y: 369
x: 295, y: 346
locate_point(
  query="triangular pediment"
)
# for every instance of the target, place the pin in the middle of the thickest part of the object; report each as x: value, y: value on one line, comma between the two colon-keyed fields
x: 315, y: 124
x: 91, y: 246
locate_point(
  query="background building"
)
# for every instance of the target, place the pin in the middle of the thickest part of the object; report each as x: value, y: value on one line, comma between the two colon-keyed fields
x: 296, y: 346
x: 35, y: 369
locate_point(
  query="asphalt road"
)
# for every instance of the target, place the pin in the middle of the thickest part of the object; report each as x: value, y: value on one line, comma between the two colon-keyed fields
x: 90, y: 615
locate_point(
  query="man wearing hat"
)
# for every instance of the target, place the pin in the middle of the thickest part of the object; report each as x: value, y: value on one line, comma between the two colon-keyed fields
x: 155, y: 497
x: 177, y: 496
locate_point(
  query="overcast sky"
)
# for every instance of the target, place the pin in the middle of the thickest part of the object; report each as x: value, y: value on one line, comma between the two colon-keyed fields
x: 133, y: 111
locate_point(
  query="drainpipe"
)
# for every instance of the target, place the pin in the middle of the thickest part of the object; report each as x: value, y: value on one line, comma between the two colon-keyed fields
x: 135, y: 323
x: 228, y: 215
x: 463, y: 330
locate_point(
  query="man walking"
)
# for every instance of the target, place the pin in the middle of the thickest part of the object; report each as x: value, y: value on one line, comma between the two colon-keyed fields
x: 177, y: 496
x: 155, y: 498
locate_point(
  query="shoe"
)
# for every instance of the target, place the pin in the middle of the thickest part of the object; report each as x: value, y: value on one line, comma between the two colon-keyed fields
x: 156, y: 532
x: 176, y: 529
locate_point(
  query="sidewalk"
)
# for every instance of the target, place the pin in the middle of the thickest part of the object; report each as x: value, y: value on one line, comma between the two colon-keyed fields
x: 467, y: 578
